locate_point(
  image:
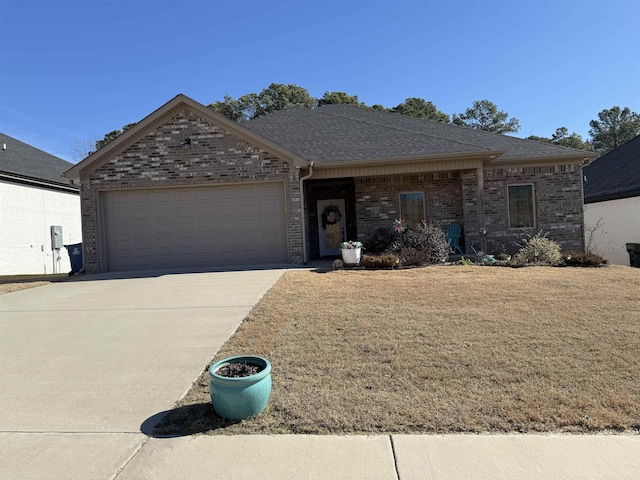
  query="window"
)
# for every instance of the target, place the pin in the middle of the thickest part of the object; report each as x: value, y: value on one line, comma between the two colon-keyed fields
x: 412, y: 208
x: 521, y: 206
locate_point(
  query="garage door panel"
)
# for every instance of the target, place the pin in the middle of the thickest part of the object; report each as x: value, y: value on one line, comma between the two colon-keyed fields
x: 194, y: 227
x: 183, y: 195
x: 159, y: 197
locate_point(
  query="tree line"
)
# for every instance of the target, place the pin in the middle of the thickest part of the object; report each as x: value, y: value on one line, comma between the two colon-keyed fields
x: 612, y: 128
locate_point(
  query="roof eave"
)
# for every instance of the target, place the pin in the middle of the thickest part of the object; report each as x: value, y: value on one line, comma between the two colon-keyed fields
x: 583, y: 159
x: 604, y: 197
x: 486, y: 156
x: 37, y: 182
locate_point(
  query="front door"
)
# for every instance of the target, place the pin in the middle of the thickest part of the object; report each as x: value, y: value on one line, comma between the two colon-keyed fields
x: 332, y: 226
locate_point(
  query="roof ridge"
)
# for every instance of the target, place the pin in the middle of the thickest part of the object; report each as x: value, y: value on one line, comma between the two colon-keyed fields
x: 464, y: 128
x: 399, y: 128
x: 34, y: 148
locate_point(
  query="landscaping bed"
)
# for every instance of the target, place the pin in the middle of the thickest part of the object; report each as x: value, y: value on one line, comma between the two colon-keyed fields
x: 439, y: 350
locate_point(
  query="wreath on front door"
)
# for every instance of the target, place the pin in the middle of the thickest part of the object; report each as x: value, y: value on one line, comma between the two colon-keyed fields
x: 330, y: 216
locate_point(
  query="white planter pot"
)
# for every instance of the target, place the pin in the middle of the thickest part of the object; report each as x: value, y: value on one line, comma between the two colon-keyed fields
x: 351, y: 256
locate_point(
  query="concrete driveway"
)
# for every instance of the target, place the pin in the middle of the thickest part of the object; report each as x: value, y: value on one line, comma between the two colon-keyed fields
x: 83, y: 364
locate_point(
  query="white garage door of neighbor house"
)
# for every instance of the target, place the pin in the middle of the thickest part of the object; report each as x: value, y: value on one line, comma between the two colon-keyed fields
x: 194, y: 227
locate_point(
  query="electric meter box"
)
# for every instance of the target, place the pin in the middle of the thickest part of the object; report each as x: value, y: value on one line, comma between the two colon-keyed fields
x: 56, y: 237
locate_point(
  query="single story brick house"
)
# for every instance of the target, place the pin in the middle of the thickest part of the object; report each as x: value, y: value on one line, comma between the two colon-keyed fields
x: 612, y: 201
x: 188, y: 188
x: 34, y: 196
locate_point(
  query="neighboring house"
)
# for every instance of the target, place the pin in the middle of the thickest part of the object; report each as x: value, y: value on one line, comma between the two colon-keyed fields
x: 612, y: 202
x: 186, y: 187
x: 34, y: 196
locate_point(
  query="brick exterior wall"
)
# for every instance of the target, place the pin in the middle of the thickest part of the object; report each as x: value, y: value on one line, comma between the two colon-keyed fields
x: 161, y: 159
x: 558, y: 205
x: 471, y: 225
x: 378, y: 199
x: 452, y: 197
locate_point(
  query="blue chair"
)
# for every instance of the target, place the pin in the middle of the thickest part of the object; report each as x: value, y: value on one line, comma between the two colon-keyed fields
x: 453, y: 237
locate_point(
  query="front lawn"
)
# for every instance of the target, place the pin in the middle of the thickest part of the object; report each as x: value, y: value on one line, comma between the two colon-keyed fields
x: 14, y: 283
x: 439, y: 350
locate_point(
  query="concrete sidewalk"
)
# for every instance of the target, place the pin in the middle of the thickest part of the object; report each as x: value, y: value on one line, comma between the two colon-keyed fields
x: 282, y: 457
x: 86, y: 366
x: 397, y: 457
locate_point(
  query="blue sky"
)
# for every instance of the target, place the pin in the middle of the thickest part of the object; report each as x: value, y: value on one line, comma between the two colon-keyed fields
x: 72, y: 71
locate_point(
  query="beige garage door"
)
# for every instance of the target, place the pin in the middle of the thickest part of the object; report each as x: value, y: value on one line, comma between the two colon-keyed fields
x: 194, y: 227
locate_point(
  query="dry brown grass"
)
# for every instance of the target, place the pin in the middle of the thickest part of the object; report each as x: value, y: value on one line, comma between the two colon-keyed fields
x: 439, y: 349
x: 14, y: 283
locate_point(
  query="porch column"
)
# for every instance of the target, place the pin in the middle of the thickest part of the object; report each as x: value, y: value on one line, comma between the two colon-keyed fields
x: 481, y: 221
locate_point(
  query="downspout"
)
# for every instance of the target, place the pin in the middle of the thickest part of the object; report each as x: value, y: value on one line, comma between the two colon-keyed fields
x: 304, y: 229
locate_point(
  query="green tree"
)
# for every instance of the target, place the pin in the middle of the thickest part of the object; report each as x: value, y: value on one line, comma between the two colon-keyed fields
x: 112, y: 135
x: 278, y: 96
x: 613, y: 128
x: 418, y: 107
x: 538, y: 139
x: 484, y: 115
x: 563, y: 138
x: 339, y: 97
x: 230, y: 108
x: 271, y: 99
x: 573, y: 140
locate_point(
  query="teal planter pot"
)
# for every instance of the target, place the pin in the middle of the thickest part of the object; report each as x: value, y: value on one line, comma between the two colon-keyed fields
x: 243, y: 397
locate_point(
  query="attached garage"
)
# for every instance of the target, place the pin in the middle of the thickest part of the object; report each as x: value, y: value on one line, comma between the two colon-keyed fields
x: 187, y: 188
x: 195, y: 227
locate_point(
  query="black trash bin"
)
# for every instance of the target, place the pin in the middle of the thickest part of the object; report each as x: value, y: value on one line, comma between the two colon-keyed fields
x: 634, y: 254
x: 75, y: 255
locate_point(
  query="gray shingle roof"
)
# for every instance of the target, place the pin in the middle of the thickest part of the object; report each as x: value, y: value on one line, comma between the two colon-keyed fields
x: 338, y: 133
x: 615, y: 174
x: 31, y: 163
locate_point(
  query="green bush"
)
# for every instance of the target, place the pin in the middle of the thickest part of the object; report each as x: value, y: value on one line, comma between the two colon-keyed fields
x: 464, y: 261
x: 538, y: 249
x: 583, y: 259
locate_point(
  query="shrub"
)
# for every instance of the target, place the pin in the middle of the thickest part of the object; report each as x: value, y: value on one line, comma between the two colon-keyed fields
x: 515, y: 262
x: 380, y: 240
x: 381, y: 261
x: 464, y: 261
x: 425, y: 245
x: 583, y: 259
x: 539, y: 249
x: 412, y: 257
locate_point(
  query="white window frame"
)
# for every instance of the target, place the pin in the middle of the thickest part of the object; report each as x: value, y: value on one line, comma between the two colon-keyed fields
x: 424, y: 204
x: 533, y: 205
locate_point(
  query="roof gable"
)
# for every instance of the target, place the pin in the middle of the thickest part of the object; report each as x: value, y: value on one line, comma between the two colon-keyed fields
x: 162, y: 115
x: 615, y: 174
x: 29, y: 163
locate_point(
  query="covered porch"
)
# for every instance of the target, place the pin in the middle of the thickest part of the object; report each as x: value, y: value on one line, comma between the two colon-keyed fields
x: 352, y: 202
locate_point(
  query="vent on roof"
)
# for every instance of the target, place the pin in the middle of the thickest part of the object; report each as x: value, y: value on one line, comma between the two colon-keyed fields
x: 4, y: 146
